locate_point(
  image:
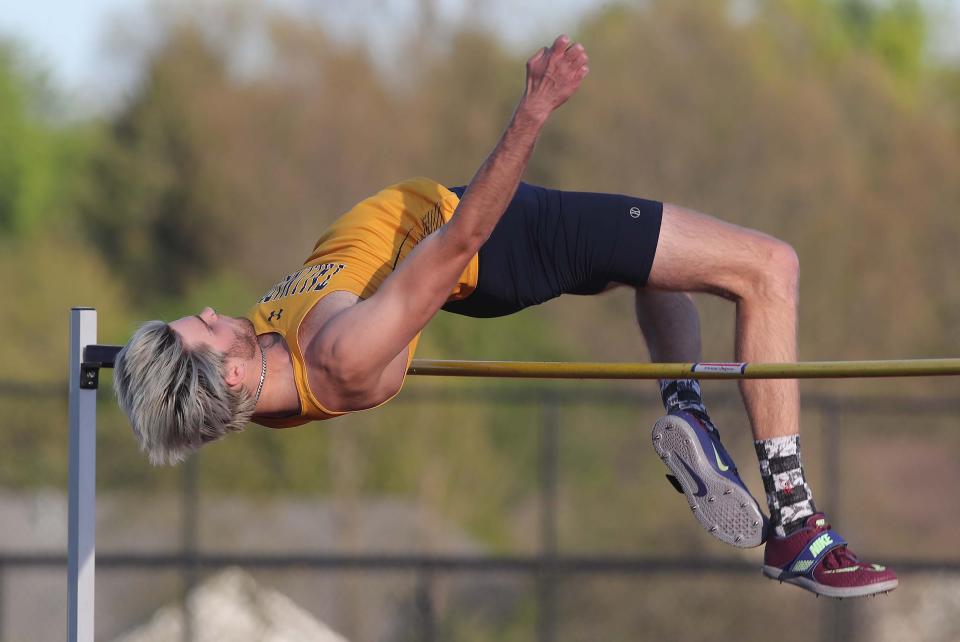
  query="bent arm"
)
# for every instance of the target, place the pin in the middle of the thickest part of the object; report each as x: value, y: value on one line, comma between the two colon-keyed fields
x: 363, y: 339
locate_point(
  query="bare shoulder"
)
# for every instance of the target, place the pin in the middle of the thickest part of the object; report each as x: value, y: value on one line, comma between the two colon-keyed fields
x: 331, y: 378
x: 313, y: 341
x: 317, y: 348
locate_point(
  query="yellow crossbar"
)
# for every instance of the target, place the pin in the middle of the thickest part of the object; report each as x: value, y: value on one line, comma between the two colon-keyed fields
x: 807, y: 370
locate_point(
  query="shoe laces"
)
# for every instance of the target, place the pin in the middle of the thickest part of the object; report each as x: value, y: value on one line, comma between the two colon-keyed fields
x: 713, y: 433
x: 704, y: 419
x: 715, y: 438
x: 840, y: 557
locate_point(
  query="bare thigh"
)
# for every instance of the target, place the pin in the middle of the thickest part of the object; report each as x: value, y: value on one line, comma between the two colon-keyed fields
x: 699, y: 253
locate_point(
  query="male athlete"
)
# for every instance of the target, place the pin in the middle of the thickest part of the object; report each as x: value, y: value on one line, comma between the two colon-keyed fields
x: 338, y: 334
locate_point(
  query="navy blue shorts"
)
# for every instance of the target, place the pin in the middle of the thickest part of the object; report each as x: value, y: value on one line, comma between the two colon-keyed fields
x: 550, y: 243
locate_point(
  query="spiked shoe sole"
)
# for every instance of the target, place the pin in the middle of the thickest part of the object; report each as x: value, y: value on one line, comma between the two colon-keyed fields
x: 724, y: 509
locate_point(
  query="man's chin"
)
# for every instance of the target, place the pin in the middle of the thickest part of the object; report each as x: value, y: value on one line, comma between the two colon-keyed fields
x: 248, y: 326
x: 245, y: 344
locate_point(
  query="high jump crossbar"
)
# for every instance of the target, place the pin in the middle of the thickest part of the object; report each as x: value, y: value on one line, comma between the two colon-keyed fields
x: 87, y: 357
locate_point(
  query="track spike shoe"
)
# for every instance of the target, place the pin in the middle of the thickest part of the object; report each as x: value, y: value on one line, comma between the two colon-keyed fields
x: 704, y: 472
x: 817, y: 559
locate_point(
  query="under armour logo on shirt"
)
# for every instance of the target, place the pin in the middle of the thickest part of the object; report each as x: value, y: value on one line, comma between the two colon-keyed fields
x: 275, y: 314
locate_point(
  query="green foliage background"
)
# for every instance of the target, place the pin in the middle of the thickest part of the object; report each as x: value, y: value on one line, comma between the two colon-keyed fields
x: 823, y: 122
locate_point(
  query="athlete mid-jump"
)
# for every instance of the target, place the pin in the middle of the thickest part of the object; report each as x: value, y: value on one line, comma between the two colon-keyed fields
x: 337, y: 334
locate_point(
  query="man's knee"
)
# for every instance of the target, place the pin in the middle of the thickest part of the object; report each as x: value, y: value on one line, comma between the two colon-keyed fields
x: 777, y: 270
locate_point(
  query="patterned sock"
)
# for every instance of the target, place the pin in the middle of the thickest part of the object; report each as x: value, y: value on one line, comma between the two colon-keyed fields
x: 684, y: 394
x: 788, y: 493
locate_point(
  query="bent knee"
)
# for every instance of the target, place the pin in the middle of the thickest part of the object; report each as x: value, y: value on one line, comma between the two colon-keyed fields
x: 784, y: 260
x: 778, y: 269
x: 765, y: 268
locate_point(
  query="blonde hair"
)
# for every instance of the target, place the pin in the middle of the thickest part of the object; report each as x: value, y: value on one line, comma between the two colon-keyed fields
x: 176, y: 398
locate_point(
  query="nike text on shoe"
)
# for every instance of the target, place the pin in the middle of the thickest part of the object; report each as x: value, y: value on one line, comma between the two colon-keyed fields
x: 817, y: 559
x: 704, y: 472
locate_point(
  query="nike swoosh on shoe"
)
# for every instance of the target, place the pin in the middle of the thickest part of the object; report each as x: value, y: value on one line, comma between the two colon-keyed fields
x: 722, y: 466
x: 701, y: 487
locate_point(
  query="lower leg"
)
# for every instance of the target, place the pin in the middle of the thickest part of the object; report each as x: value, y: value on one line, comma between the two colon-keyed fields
x: 671, y: 328
x: 700, y: 468
x: 766, y: 332
x: 670, y: 325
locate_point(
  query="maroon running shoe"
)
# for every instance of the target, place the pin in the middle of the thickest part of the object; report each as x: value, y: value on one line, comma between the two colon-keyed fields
x: 816, y: 558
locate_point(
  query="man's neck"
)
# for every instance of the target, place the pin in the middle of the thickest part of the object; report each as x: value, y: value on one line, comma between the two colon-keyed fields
x: 279, y: 397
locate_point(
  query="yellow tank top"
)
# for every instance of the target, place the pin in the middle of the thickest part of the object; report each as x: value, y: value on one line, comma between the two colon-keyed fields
x: 356, y: 254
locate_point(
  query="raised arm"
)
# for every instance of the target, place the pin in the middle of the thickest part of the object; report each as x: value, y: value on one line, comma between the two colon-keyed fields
x: 363, y: 339
x: 553, y: 74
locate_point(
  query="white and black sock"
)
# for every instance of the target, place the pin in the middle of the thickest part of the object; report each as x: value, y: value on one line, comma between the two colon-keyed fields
x: 684, y: 394
x: 788, y: 494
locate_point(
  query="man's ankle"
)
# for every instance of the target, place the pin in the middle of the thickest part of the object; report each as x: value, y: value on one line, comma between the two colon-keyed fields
x: 788, y: 494
x: 685, y: 395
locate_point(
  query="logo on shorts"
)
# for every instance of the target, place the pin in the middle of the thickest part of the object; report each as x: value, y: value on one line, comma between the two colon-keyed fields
x: 635, y: 212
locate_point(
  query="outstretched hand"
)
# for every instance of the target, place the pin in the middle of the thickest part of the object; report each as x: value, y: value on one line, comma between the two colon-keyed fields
x: 553, y: 75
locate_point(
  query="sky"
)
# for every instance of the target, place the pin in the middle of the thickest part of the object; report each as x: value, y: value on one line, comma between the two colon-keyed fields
x: 63, y: 34
x: 67, y: 37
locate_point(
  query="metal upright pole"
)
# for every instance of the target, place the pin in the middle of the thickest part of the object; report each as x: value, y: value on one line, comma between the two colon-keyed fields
x: 189, y: 520
x: 82, y: 508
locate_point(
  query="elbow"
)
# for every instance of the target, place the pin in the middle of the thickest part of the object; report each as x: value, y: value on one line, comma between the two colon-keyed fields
x: 342, y: 370
x: 462, y: 243
x: 346, y: 381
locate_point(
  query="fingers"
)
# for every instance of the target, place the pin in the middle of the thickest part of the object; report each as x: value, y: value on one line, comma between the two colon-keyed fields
x: 554, y: 73
x: 535, y: 59
x: 563, y: 53
x: 570, y: 52
x: 561, y: 44
x: 576, y: 54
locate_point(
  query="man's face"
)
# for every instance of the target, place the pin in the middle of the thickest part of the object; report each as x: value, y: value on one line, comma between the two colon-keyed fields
x: 230, y: 336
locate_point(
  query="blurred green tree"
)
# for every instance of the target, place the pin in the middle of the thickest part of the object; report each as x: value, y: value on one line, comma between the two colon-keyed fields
x: 148, y: 203
x: 39, y: 159
x: 895, y: 31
